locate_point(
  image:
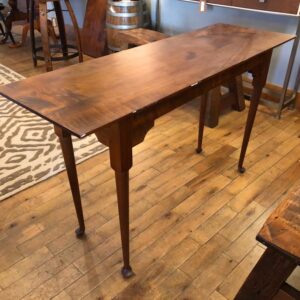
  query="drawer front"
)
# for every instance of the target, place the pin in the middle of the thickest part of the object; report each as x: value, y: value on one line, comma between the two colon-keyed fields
x: 284, y: 6
x: 221, y: 2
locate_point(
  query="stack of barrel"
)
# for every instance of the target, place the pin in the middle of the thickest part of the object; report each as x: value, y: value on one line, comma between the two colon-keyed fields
x: 124, y: 15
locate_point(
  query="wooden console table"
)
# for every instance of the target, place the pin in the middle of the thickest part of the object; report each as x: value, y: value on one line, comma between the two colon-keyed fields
x: 118, y: 97
x: 288, y: 8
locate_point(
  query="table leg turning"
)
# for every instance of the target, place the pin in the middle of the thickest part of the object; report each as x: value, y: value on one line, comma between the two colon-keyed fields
x: 65, y: 140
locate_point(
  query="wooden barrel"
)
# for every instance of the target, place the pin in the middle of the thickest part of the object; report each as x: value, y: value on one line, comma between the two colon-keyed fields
x: 124, y: 15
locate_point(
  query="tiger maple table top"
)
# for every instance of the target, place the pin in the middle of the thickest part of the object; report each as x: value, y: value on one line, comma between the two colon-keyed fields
x: 282, y: 229
x: 85, y: 97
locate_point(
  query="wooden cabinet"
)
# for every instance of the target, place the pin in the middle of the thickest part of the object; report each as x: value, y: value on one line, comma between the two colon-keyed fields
x: 286, y: 6
x: 283, y: 6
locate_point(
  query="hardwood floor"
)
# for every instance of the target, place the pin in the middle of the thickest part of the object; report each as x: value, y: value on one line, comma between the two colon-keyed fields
x: 193, y: 217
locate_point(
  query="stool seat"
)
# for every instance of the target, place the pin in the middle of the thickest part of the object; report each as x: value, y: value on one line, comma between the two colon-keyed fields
x: 282, y: 229
x: 139, y: 36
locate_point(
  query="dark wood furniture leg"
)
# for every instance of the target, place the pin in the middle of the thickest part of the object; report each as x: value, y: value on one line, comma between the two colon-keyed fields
x: 44, y: 34
x: 2, y: 30
x: 61, y: 27
x: 267, y: 277
x: 236, y: 87
x: 260, y: 74
x: 65, y: 140
x: 120, y: 144
x: 203, y: 105
x: 32, y: 35
x: 76, y: 30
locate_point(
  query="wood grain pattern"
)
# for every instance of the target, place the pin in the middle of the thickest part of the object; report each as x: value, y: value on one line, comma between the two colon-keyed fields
x: 91, y: 99
x: 282, y: 229
x: 43, y: 216
x: 80, y: 113
x: 280, y: 234
x: 93, y: 32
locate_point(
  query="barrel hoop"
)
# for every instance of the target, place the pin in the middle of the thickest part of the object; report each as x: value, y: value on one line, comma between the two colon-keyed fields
x: 114, y: 48
x: 125, y: 15
x: 122, y: 15
x: 124, y: 4
x: 121, y: 27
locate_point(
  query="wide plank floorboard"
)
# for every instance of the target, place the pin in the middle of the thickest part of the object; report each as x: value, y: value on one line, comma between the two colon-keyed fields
x: 193, y: 217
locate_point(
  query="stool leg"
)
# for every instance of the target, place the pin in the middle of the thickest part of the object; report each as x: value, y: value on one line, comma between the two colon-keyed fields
x: 44, y: 33
x: 236, y: 87
x: 76, y: 30
x: 271, y: 271
x: 2, y: 30
x: 32, y: 35
x: 61, y: 28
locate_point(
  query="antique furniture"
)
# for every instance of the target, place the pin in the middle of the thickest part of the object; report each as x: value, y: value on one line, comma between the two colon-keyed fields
x: 119, y: 96
x: 281, y: 235
x: 287, y: 7
x: 3, y: 30
x: 94, y: 40
x: 124, y: 15
x: 216, y: 100
x: 50, y: 51
x: 18, y: 12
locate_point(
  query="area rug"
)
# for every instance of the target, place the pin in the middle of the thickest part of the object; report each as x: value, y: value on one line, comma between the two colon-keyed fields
x: 29, y: 149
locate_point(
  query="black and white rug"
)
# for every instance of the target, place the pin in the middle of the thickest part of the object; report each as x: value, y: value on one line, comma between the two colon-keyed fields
x: 29, y: 149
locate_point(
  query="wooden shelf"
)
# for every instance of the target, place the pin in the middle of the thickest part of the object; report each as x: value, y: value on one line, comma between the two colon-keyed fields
x: 248, y: 5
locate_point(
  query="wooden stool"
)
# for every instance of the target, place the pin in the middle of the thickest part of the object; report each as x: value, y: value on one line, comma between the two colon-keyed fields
x: 281, y: 234
x: 218, y: 102
x: 17, y: 12
x: 42, y: 23
x: 234, y: 97
x: 138, y: 37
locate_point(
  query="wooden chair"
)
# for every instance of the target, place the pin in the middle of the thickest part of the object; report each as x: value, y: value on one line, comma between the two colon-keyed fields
x: 281, y: 235
x: 234, y: 97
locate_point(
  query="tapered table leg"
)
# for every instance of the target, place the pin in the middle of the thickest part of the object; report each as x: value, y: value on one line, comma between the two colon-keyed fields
x: 68, y: 153
x: 260, y: 74
x: 120, y: 149
x: 203, y: 105
x: 122, y: 184
x: 271, y: 271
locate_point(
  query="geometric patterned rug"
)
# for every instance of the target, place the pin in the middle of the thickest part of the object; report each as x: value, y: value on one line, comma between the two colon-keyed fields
x: 29, y: 149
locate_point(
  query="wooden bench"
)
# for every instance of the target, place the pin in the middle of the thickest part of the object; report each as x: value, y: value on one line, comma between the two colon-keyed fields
x: 281, y: 235
x: 217, y: 102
